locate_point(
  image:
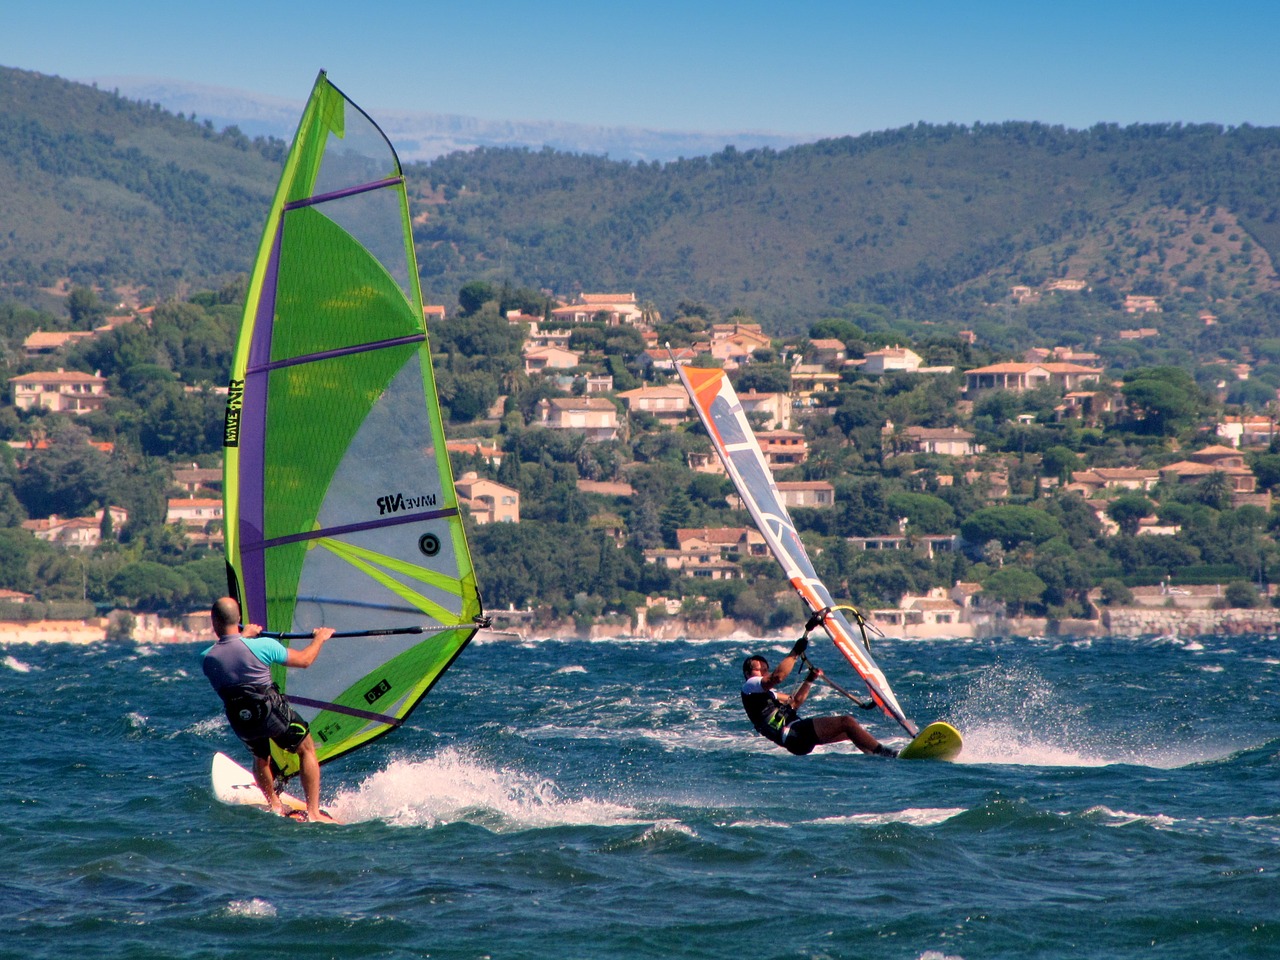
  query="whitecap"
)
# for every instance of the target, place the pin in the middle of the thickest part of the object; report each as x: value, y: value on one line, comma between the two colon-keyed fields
x: 452, y: 787
x: 16, y: 665
x: 573, y: 669
x: 912, y: 816
x: 203, y: 728
x: 257, y: 907
x: 1122, y: 818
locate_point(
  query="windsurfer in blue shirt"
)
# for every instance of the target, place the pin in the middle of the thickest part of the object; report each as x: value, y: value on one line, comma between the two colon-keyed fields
x: 773, y: 713
x: 239, y: 668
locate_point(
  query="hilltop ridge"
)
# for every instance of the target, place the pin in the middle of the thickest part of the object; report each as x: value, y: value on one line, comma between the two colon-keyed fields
x: 934, y: 223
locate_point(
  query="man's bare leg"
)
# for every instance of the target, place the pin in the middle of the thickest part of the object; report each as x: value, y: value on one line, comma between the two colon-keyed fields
x: 267, y: 784
x: 309, y: 773
x: 835, y: 729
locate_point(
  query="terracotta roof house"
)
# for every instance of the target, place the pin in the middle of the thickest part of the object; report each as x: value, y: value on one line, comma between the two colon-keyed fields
x: 828, y: 352
x: 1020, y: 377
x: 80, y: 533
x: 798, y: 493
x: 616, y: 308
x: 948, y: 441
x: 783, y: 448
x: 595, y: 417
x: 1089, y: 482
x: 776, y: 408
x: 891, y: 359
x: 539, y: 359
x: 1247, y: 431
x: 670, y: 404
x: 488, y: 500
x: 193, y: 478
x: 48, y: 341
x: 1224, y: 460
x: 64, y: 391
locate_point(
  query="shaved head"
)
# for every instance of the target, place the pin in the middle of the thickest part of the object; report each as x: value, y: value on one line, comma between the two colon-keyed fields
x: 225, y: 615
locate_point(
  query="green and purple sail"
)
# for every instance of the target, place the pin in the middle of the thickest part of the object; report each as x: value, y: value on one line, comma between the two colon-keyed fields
x: 340, y: 504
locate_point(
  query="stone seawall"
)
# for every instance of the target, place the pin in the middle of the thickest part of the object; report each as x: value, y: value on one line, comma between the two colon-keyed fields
x: 1147, y: 621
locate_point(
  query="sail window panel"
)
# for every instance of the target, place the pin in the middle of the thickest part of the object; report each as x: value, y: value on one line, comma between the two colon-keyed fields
x: 314, y: 411
x: 390, y: 689
x: 381, y: 579
x: 722, y: 414
x: 332, y: 291
x: 370, y: 483
x: 376, y: 219
x: 355, y: 153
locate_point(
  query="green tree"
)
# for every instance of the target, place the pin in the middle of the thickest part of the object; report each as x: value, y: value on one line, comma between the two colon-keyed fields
x: 925, y: 513
x: 762, y: 378
x: 1128, y: 510
x: 1014, y: 587
x: 1115, y: 593
x: 1241, y: 594
x: 1011, y: 524
x: 85, y: 308
x: 474, y: 295
x: 1059, y: 461
x: 68, y: 477
x: 18, y: 548
x: 147, y: 585
x: 1162, y: 400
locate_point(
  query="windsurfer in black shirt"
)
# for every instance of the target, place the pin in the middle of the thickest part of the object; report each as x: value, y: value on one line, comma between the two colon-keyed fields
x: 773, y: 713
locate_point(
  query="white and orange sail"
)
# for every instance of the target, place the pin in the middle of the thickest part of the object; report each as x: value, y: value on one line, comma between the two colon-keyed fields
x: 721, y: 413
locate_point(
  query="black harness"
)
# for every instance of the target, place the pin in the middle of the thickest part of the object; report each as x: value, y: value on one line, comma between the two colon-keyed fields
x: 255, y: 712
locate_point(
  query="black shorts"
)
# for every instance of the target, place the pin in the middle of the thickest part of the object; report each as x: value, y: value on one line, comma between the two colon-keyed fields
x: 801, y: 738
x: 289, y: 740
x: 266, y: 718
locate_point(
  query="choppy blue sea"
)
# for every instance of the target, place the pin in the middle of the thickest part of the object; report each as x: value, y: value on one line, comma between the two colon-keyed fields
x: 572, y: 799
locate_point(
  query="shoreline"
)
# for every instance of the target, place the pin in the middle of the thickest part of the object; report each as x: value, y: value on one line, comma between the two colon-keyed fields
x: 1131, y: 622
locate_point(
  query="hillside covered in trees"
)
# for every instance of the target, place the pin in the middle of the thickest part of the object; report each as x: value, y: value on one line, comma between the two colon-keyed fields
x: 933, y: 224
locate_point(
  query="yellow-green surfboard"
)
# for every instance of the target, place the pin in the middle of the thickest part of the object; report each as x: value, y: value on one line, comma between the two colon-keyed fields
x: 937, y: 741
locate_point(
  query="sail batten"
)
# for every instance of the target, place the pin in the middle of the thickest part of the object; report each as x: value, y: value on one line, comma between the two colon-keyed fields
x: 270, y: 365
x: 340, y: 504
x: 735, y: 443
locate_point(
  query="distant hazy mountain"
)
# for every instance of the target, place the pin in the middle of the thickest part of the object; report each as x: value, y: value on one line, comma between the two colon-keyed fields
x: 425, y: 136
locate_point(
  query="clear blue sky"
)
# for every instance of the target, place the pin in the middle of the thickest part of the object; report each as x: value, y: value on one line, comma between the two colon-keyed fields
x: 787, y: 66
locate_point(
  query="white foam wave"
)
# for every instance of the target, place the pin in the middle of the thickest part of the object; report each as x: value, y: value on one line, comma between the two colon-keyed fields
x: 913, y: 816
x: 256, y: 907
x: 1013, y: 715
x: 452, y: 787
x: 203, y: 728
x: 1122, y: 818
x: 16, y: 665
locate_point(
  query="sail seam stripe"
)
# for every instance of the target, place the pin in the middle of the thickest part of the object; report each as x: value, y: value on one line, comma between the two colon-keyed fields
x: 349, y: 528
x: 347, y: 192
x: 339, y: 352
x: 339, y: 708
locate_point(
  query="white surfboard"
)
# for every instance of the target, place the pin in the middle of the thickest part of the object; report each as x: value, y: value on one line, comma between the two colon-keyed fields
x: 233, y: 784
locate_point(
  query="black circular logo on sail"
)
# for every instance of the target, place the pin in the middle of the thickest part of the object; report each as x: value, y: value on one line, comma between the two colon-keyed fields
x: 429, y: 544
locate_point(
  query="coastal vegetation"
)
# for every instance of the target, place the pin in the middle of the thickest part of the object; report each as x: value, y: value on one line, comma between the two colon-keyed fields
x: 1148, y: 248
